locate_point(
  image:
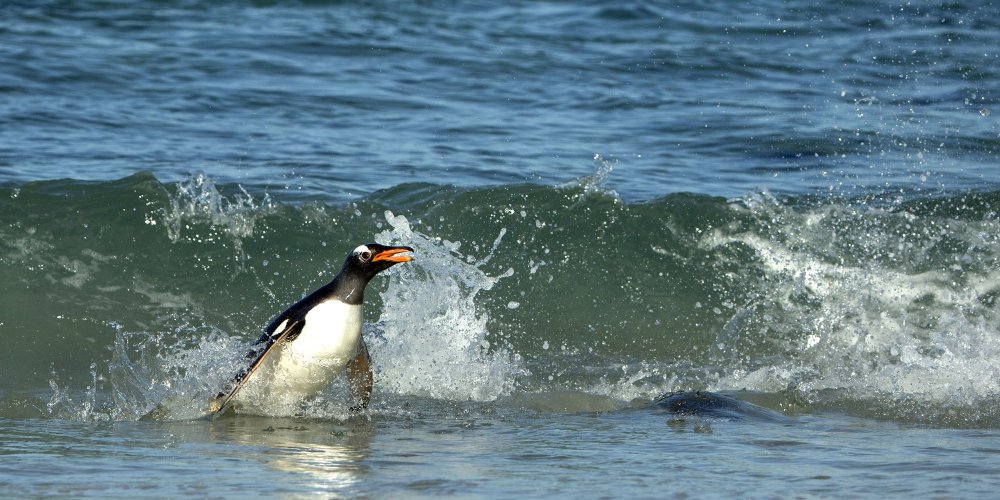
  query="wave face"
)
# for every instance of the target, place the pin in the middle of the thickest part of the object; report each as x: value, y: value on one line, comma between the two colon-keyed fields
x: 117, y: 295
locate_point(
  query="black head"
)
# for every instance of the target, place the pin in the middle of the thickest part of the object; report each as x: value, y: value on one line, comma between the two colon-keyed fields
x: 360, y: 266
x: 368, y: 260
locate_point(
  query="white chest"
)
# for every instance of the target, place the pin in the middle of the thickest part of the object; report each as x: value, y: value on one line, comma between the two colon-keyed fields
x: 306, y: 365
x: 330, y: 335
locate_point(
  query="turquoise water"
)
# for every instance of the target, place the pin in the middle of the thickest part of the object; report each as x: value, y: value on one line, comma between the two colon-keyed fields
x: 793, y: 204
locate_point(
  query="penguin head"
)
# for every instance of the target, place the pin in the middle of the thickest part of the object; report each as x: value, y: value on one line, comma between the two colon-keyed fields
x: 368, y: 260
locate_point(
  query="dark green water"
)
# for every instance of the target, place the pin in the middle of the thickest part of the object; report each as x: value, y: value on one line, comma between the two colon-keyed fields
x: 133, y: 286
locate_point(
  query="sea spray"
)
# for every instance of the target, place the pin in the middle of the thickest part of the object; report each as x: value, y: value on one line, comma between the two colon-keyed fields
x: 228, y: 220
x: 173, y: 371
x: 595, y: 183
x: 862, y: 306
x: 178, y: 370
x: 197, y: 198
x: 436, y: 341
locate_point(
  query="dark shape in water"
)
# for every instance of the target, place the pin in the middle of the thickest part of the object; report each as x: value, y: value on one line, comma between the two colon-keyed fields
x: 716, y: 406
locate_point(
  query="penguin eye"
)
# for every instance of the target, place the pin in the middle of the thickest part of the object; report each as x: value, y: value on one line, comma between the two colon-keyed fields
x: 365, y: 255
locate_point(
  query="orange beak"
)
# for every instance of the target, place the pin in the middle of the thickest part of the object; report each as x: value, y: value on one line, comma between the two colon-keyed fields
x: 392, y: 255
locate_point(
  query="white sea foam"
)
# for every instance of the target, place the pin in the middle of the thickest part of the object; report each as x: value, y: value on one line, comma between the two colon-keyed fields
x: 878, y: 326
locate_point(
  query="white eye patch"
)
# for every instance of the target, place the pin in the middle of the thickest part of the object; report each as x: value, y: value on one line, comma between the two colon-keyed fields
x: 360, y: 249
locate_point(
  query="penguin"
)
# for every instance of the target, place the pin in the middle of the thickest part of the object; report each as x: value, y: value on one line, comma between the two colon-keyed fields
x: 316, y: 339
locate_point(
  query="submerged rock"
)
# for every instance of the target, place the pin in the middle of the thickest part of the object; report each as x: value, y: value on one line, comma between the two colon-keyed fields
x: 714, y: 406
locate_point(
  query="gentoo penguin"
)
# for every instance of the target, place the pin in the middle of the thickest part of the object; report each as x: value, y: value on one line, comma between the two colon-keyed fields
x: 305, y: 347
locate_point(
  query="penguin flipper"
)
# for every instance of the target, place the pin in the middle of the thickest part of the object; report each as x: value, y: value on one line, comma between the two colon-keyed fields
x: 264, y: 346
x: 359, y: 378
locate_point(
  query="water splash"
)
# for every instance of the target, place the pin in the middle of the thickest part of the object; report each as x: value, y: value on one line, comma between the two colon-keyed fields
x: 200, y: 213
x: 434, y: 338
x: 198, y: 199
x: 63, y: 403
x: 175, y: 371
x: 860, y: 302
x: 596, y: 183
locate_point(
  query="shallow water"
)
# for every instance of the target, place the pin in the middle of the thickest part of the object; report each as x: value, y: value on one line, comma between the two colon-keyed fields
x: 796, y: 204
x: 487, y: 452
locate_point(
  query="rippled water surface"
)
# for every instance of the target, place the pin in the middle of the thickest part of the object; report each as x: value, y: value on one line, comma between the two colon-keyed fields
x: 792, y: 203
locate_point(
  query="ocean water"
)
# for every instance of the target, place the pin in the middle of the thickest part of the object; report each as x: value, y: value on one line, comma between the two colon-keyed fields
x: 793, y: 203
